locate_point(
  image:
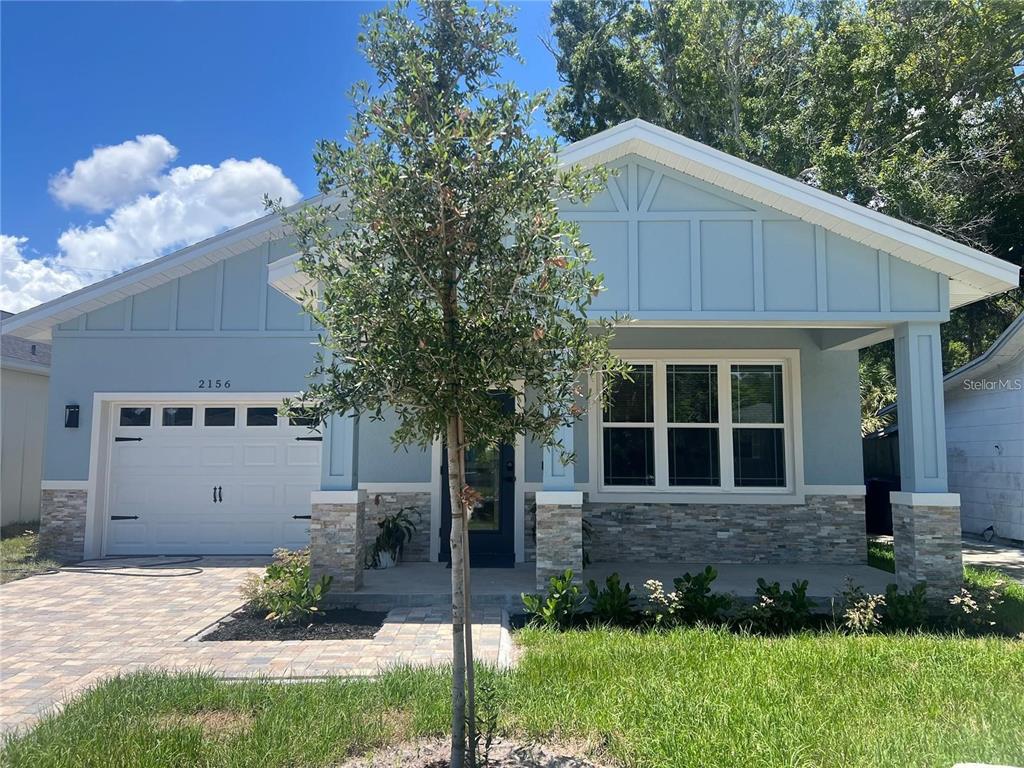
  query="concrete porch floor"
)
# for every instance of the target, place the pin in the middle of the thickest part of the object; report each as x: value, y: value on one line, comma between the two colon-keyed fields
x: 430, y: 583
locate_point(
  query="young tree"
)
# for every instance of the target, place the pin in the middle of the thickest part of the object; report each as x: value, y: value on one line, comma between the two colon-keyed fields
x: 443, y: 271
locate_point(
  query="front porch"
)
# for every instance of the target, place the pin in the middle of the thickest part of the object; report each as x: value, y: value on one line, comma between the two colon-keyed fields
x: 429, y: 584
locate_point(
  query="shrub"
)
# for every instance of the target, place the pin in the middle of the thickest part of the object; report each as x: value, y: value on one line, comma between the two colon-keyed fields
x: 395, y: 532
x: 614, y: 603
x: 284, y: 590
x: 972, y: 613
x: 905, y: 610
x: 559, y: 607
x: 691, y: 602
x: 778, y: 611
x: 862, y: 613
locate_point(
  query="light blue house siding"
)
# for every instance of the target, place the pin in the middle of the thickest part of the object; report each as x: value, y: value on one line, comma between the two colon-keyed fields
x: 679, y: 257
x: 674, y: 248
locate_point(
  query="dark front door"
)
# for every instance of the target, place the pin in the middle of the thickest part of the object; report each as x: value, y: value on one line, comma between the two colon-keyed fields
x: 491, y: 472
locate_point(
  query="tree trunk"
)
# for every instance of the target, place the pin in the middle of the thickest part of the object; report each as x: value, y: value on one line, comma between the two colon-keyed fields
x: 468, y: 592
x: 456, y: 482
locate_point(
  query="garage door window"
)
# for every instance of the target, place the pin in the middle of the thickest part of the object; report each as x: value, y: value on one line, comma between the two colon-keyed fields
x: 135, y: 417
x: 177, y: 417
x: 219, y: 417
x: 261, y: 417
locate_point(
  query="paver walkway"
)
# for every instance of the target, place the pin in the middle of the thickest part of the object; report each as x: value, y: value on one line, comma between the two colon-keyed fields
x: 62, y: 633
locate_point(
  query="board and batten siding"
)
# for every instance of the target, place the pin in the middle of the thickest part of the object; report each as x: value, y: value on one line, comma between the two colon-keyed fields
x: 985, y: 450
x: 222, y: 322
x: 673, y: 247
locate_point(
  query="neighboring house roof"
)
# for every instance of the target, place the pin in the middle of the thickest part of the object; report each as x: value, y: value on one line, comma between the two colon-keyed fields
x: 23, y: 355
x: 973, y: 274
x: 1006, y: 348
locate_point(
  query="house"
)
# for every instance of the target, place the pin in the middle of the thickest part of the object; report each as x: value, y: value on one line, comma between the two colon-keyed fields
x: 985, y: 436
x: 24, y: 376
x: 738, y: 441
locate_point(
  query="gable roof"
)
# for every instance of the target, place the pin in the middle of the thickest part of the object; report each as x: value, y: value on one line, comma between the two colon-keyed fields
x: 1007, y: 347
x: 973, y: 274
x: 36, y: 323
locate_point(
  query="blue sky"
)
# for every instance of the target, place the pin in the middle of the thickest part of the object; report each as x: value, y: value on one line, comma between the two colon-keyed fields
x: 202, y: 83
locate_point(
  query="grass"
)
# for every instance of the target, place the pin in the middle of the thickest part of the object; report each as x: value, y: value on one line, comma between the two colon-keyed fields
x: 1010, y: 614
x: 18, y: 557
x: 688, y: 697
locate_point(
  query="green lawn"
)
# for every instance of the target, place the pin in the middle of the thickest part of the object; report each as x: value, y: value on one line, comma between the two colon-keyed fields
x: 18, y: 553
x: 688, y: 697
x: 1010, y: 614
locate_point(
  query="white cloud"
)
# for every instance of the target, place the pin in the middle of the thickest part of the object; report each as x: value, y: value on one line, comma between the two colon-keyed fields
x: 191, y: 203
x: 26, y: 282
x: 172, y: 208
x: 114, y: 175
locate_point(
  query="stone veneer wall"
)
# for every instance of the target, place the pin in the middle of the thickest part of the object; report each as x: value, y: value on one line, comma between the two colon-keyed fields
x: 559, y: 541
x: 380, y: 504
x: 62, y: 524
x: 927, y: 547
x: 824, y: 529
x: 336, y: 544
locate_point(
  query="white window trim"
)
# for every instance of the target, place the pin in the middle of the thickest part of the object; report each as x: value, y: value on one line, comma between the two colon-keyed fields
x: 723, y: 358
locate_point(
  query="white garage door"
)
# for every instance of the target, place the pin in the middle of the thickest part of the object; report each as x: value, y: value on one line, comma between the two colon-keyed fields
x: 216, y: 478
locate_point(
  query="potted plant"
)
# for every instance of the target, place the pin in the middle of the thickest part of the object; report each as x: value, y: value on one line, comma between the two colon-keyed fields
x: 395, y: 532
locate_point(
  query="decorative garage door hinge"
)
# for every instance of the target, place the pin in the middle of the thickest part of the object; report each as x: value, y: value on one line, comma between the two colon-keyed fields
x: 124, y: 517
x: 127, y: 439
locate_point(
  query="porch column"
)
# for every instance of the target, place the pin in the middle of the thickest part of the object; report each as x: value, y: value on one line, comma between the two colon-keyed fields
x: 559, y: 515
x: 338, y: 508
x: 926, y: 517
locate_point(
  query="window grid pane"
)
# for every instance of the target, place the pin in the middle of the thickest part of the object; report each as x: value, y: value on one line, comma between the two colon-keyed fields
x: 629, y: 456
x: 219, y: 417
x: 759, y: 457
x: 261, y: 417
x: 632, y: 401
x: 177, y: 417
x: 135, y: 417
x: 757, y: 394
x: 693, y: 457
x: 692, y: 394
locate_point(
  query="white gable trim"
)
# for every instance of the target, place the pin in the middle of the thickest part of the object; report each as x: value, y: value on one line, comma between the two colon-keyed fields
x: 974, y: 274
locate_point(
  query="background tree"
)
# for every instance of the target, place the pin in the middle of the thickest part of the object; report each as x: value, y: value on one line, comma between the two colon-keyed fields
x: 912, y: 107
x: 445, y: 274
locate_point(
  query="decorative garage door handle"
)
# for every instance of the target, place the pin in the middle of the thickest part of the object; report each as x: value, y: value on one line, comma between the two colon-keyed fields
x: 218, y: 494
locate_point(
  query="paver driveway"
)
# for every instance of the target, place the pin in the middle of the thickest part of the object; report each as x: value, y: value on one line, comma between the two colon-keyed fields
x: 61, y: 633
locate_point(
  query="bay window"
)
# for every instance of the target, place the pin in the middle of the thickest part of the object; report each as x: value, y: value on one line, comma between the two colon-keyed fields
x: 698, y: 425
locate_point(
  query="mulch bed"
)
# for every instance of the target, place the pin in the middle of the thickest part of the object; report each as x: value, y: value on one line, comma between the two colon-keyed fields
x: 248, y: 623
x: 505, y: 753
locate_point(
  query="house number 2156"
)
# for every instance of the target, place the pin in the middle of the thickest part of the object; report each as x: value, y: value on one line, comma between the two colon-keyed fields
x: 215, y: 383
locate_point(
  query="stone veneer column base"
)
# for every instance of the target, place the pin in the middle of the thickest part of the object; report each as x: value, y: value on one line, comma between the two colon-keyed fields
x: 927, y: 542
x: 62, y: 524
x: 336, y: 538
x: 559, y: 534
